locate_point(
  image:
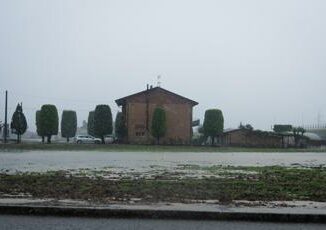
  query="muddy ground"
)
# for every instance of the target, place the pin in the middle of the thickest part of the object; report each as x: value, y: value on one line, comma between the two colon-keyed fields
x: 223, y: 183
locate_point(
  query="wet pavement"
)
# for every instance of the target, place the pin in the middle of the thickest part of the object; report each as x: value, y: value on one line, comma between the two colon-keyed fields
x: 8, y: 222
x: 236, y: 206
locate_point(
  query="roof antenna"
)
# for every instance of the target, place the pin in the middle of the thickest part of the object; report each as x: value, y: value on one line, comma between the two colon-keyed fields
x: 158, y: 81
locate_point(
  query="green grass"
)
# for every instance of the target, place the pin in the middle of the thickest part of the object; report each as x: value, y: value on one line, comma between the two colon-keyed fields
x: 269, y: 184
x: 145, y: 148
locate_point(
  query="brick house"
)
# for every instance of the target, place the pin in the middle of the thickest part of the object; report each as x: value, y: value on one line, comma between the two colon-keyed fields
x: 138, y: 110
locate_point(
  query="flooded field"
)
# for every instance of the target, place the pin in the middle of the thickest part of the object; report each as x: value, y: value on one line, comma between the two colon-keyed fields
x: 149, y: 165
x: 108, y: 177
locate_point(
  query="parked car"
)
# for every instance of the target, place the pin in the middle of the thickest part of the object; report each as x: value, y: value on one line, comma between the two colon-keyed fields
x: 87, y: 139
x: 109, y: 139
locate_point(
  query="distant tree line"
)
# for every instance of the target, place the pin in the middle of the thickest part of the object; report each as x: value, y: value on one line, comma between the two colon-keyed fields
x: 297, y: 132
x: 47, y: 120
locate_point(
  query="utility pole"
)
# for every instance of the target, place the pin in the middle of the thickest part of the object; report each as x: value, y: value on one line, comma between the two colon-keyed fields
x: 5, y: 129
x: 158, y: 81
x: 318, y: 119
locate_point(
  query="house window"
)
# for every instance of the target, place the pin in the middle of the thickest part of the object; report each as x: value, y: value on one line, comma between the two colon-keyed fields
x: 140, y: 130
x: 140, y: 134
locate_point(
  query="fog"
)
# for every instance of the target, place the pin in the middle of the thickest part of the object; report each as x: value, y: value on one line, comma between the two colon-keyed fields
x: 260, y: 62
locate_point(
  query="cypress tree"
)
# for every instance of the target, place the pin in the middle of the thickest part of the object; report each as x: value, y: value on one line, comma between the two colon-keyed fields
x: 68, y: 124
x: 18, y: 122
x: 39, y: 129
x: 102, y: 121
x: 120, y: 126
x: 213, y: 123
x: 158, y: 124
x: 49, y: 121
x: 90, y: 123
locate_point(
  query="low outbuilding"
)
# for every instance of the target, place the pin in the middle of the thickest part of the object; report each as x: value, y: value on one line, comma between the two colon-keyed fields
x: 242, y: 137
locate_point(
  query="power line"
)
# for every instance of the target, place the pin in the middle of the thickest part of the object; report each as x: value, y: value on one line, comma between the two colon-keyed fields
x: 6, y: 119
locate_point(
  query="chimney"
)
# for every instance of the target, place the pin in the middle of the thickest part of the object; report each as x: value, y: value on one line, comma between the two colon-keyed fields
x: 147, y: 86
x: 151, y: 87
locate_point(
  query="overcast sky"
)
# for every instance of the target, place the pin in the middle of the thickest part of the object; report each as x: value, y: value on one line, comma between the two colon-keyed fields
x: 260, y: 62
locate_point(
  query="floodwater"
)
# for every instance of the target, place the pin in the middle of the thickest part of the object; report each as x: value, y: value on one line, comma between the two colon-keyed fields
x: 42, y: 161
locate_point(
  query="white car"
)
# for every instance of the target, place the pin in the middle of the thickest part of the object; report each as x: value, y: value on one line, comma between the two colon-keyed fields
x: 87, y: 139
x: 109, y: 139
